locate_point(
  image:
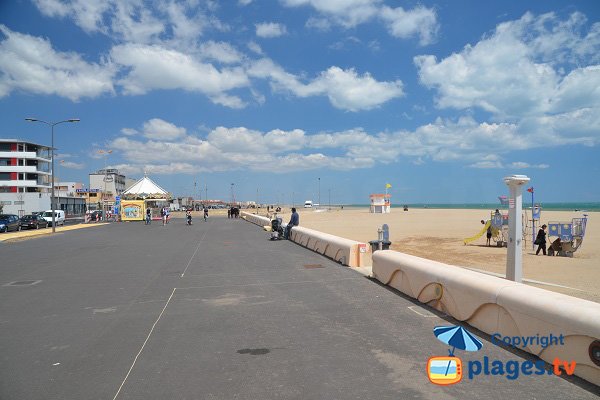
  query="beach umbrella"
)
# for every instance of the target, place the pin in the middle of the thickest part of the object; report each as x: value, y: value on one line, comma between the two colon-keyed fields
x: 457, y: 337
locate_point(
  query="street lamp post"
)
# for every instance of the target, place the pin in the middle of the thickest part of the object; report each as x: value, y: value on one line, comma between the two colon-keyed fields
x: 58, y: 169
x: 106, y: 179
x: 52, y: 124
x: 319, y: 192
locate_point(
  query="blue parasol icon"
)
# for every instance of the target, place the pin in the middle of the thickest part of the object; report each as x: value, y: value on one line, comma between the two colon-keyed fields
x: 458, y: 338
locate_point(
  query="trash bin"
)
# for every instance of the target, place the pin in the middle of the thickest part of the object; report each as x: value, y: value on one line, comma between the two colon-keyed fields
x: 385, y: 245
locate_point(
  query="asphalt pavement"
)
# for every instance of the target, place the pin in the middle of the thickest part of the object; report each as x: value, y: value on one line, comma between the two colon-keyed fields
x: 217, y: 311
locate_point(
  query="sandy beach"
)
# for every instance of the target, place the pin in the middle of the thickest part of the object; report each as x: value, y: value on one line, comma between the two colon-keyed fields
x: 438, y: 234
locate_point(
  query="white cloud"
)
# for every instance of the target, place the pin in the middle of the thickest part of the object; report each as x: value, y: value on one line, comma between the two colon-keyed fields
x: 348, y: 13
x: 476, y: 144
x: 221, y: 52
x: 346, y: 89
x: 270, y: 30
x: 419, y: 21
x: 129, y: 132
x: 255, y: 48
x: 155, y: 67
x: 31, y: 64
x: 179, y: 23
x: 349, y: 91
x: 508, y: 74
x: 159, y: 129
x: 71, y: 165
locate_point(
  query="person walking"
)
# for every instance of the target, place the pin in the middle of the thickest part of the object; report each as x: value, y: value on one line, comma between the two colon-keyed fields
x: 163, y: 215
x: 540, y: 240
x: 205, y: 213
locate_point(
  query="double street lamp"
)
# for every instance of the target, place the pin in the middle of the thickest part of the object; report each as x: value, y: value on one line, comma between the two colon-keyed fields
x: 52, y: 124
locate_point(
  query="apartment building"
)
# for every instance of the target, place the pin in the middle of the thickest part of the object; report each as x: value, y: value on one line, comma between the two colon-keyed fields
x: 25, y: 176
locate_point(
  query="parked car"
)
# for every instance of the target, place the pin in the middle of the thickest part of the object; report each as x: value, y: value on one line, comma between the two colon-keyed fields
x: 59, y: 217
x: 33, y: 222
x: 9, y: 222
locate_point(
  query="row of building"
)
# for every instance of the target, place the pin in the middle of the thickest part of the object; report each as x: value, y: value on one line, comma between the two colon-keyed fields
x: 26, y: 182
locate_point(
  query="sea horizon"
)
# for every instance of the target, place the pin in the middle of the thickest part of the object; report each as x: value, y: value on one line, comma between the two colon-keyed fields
x: 558, y: 206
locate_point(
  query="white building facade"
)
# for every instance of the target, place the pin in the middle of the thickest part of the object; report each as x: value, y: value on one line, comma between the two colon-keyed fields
x: 25, y: 176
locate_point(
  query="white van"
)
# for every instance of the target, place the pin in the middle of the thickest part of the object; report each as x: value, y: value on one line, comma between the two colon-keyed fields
x: 59, y: 217
x: 308, y: 204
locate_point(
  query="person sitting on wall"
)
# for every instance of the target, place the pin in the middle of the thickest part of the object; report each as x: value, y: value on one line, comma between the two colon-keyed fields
x: 294, y: 221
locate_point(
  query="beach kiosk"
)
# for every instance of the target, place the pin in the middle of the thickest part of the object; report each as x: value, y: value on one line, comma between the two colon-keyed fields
x: 142, y: 195
x: 380, y: 203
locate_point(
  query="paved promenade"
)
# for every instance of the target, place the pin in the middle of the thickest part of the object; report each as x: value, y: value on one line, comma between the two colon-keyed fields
x: 216, y: 311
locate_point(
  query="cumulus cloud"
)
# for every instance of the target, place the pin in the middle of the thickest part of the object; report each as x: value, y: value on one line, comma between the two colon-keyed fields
x: 476, y: 144
x: 155, y: 67
x: 31, y: 64
x: 509, y: 73
x: 221, y: 52
x: 419, y: 21
x: 71, y: 165
x: 159, y: 129
x: 176, y: 22
x: 270, y: 30
x: 346, y: 89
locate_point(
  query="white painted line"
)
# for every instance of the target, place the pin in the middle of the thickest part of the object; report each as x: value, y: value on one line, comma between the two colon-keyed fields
x: 524, y: 279
x: 268, y: 284
x: 422, y: 312
x: 193, y: 255
x: 144, y: 345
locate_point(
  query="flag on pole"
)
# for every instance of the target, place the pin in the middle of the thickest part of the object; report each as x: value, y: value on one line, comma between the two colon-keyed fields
x: 387, y: 186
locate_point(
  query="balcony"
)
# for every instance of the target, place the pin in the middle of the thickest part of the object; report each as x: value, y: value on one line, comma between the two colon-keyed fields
x: 32, y: 169
x: 25, y: 183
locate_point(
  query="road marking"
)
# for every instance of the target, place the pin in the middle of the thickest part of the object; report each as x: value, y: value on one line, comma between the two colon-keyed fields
x: 144, y: 345
x: 192, y: 257
x: 422, y: 312
x: 268, y: 284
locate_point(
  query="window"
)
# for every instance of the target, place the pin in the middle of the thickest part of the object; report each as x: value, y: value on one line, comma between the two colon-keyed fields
x: 5, y: 176
x: 5, y: 147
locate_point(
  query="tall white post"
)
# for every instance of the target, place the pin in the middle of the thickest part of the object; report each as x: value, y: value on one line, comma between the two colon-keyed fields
x: 514, y: 257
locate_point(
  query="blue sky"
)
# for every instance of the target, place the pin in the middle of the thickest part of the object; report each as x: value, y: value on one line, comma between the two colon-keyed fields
x: 439, y: 99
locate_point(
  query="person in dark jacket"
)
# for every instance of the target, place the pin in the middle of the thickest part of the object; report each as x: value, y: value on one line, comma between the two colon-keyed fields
x: 540, y: 240
x: 294, y: 221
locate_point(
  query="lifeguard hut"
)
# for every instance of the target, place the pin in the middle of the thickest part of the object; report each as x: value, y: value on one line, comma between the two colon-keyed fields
x: 380, y: 203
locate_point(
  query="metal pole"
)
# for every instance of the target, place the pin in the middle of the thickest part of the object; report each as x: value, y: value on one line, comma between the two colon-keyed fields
x: 319, y: 192
x: 532, y: 222
x: 52, y: 189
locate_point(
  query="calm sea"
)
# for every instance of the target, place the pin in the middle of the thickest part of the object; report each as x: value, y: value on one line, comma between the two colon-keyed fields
x: 492, y: 206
